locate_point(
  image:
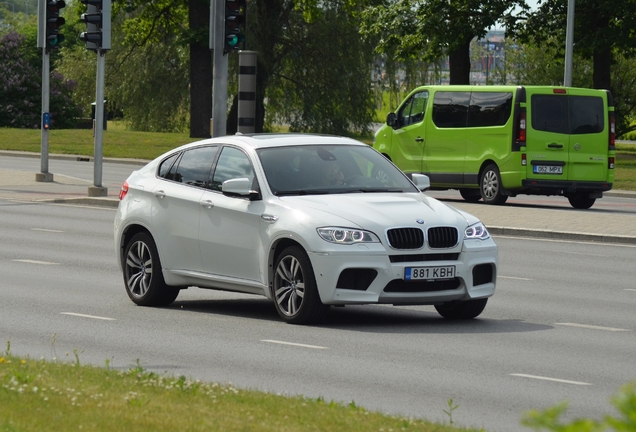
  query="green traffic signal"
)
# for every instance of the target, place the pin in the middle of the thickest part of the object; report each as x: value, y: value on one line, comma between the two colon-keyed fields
x: 235, y: 18
x: 53, y: 23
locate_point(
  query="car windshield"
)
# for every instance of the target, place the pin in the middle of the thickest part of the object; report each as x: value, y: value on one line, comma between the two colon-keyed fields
x: 330, y: 169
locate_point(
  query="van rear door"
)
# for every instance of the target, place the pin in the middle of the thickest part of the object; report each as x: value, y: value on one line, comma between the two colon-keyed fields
x: 566, y: 137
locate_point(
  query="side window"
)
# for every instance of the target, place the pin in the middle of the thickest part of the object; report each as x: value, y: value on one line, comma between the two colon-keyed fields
x: 194, y: 166
x: 550, y: 113
x: 404, y: 115
x: 413, y: 111
x: 168, y: 167
x: 586, y: 114
x: 233, y: 163
x: 489, y: 109
x: 450, y: 109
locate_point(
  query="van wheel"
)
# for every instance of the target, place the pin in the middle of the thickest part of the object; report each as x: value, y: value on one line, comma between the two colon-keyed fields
x: 470, y: 195
x: 581, y: 201
x: 490, y: 186
x: 462, y: 310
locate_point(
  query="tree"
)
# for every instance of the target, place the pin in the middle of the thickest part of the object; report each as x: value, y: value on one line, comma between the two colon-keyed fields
x: 21, y: 86
x: 434, y: 28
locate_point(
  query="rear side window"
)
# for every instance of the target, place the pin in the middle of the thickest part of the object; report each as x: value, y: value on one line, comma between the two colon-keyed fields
x: 194, y: 166
x: 568, y: 114
x: 450, y: 109
x: 489, y: 109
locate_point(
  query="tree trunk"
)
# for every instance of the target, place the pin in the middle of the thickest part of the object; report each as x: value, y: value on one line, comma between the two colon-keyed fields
x: 459, y: 64
x: 602, y: 62
x: 200, y: 70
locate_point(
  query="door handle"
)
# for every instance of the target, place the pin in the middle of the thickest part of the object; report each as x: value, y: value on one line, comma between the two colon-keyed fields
x: 555, y: 146
x: 269, y: 218
x: 207, y: 203
x: 159, y: 194
x: 419, y: 139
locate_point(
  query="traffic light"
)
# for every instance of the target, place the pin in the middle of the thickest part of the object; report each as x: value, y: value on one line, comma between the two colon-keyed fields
x: 97, y: 19
x: 235, y: 14
x: 53, y: 22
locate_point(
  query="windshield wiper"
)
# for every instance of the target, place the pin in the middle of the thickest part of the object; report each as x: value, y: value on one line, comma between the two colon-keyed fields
x: 303, y: 192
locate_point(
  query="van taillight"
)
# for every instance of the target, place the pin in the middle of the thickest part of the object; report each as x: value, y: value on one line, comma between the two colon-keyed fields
x: 123, y: 191
x: 612, y: 131
x: 610, y: 163
x: 521, y: 138
x: 524, y: 159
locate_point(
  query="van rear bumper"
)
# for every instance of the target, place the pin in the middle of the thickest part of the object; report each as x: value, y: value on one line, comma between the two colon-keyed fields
x: 555, y: 187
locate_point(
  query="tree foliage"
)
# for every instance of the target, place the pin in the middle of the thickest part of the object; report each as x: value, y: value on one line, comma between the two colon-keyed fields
x: 431, y: 29
x: 21, y: 85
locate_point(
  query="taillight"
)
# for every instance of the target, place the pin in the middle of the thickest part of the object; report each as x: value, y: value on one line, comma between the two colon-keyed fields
x: 524, y: 159
x: 123, y: 191
x: 521, y: 137
x: 610, y: 163
x: 612, y: 131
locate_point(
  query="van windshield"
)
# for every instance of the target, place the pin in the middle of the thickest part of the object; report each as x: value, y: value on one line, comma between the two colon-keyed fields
x: 568, y: 114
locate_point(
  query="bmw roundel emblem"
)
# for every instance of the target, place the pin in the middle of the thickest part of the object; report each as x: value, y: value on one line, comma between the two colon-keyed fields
x: 420, y: 221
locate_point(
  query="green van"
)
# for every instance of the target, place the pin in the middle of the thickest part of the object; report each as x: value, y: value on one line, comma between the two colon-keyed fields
x: 492, y: 142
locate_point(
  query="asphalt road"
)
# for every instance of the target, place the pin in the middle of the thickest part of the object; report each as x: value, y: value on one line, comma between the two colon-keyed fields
x: 560, y: 327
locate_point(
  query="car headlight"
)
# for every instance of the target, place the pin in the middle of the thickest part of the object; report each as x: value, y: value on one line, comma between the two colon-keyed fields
x: 476, y: 231
x: 346, y: 235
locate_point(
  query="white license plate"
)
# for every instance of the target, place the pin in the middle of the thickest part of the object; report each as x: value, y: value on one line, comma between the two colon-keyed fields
x: 429, y: 273
x: 547, y: 169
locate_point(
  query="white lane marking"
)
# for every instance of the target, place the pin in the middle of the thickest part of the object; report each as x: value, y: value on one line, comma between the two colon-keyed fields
x: 28, y: 261
x: 593, y: 327
x: 566, y: 241
x: 46, y: 230
x: 294, y: 344
x: 630, y: 289
x: 88, y: 316
x: 550, y: 379
x: 515, y: 278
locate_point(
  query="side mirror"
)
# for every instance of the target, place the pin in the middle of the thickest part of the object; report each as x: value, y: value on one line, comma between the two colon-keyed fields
x: 238, y: 187
x: 391, y: 119
x: 421, y: 181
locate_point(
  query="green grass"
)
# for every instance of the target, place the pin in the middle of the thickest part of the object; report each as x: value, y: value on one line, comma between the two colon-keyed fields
x: 36, y: 395
x: 121, y: 143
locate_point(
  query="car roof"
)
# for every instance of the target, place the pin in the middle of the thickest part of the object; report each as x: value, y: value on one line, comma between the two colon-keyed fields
x: 264, y: 140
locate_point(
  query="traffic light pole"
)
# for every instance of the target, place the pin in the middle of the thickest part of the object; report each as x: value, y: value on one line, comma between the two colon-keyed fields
x: 220, y: 72
x: 44, y: 175
x: 97, y: 189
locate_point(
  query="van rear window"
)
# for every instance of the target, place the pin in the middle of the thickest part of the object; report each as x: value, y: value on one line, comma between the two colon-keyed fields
x: 568, y: 114
x: 476, y: 109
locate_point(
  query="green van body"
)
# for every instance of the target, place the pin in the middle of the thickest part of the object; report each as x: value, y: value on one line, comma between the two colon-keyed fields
x: 492, y: 142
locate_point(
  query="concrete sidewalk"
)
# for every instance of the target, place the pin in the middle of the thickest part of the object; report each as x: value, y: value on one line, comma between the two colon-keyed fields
x: 515, y: 220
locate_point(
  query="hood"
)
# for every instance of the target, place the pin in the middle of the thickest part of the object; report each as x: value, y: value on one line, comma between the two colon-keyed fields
x: 380, y: 210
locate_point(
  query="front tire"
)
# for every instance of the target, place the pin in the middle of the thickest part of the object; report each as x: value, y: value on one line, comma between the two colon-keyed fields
x: 294, y: 290
x: 490, y: 186
x: 581, y: 201
x: 462, y: 310
x: 142, y: 273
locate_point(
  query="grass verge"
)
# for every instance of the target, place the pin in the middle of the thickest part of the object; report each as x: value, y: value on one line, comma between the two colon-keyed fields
x: 37, y: 395
x: 122, y: 143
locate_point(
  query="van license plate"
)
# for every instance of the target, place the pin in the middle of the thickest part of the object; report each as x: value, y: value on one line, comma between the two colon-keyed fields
x: 547, y: 169
x: 429, y: 273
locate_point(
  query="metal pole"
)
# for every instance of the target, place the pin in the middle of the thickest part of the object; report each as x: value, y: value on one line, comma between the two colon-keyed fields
x: 97, y: 189
x: 219, y: 84
x: 247, y: 92
x: 44, y: 175
x: 569, y: 42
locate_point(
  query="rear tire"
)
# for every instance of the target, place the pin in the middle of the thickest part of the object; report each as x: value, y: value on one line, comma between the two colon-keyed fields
x: 470, y: 195
x: 462, y: 310
x: 581, y: 201
x: 295, y: 291
x: 490, y: 186
x: 143, y: 277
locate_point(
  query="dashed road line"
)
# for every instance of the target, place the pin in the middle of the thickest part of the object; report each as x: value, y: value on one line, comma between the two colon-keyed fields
x: 537, y: 377
x: 88, y: 316
x: 293, y: 344
x: 515, y: 278
x: 593, y: 327
x: 28, y: 261
x: 46, y: 230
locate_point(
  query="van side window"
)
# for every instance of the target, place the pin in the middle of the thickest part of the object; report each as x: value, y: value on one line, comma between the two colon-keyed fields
x: 586, y: 114
x: 450, y: 109
x: 413, y: 110
x: 550, y: 113
x: 489, y: 109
